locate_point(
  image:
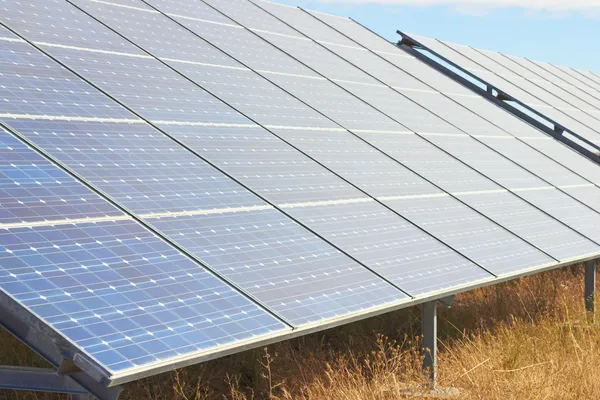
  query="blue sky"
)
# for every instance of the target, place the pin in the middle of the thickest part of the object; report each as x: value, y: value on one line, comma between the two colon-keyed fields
x: 564, y: 32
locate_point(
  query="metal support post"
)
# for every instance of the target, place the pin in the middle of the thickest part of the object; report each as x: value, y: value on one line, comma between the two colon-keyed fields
x: 40, y: 380
x: 590, y: 289
x: 429, y: 344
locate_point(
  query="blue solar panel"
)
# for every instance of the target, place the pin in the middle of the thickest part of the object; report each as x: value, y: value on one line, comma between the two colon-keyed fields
x: 375, y: 236
x: 472, y: 234
x: 132, y: 150
x: 484, y: 161
x: 276, y: 66
x: 33, y: 189
x: 138, y: 166
x: 279, y: 262
x: 206, y: 65
x: 347, y: 76
x: 123, y: 295
x: 358, y: 234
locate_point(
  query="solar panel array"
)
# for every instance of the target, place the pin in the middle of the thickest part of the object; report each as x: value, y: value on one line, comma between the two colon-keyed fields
x: 181, y: 178
x: 551, y: 91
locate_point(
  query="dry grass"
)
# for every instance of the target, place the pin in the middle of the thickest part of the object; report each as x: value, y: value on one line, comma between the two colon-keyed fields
x: 527, y: 339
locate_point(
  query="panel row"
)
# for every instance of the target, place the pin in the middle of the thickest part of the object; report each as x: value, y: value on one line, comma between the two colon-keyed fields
x: 316, y: 184
x: 529, y: 83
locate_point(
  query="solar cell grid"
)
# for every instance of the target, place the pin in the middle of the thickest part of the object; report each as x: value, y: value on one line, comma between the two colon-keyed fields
x: 525, y: 91
x: 471, y: 234
x: 452, y: 54
x: 546, y: 81
x: 567, y: 157
x: 590, y: 77
x: 360, y: 163
x: 32, y: 189
x: 375, y: 237
x: 206, y: 65
x: 582, y: 217
x: 277, y: 66
x: 136, y: 165
x: 468, y: 184
x: 149, y: 140
x: 268, y: 165
x: 339, y: 71
x: 562, y: 75
x: 122, y: 295
x: 344, y: 230
x: 534, y: 161
x: 437, y: 81
x: 551, y: 235
x: 488, y: 162
x: 175, y: 130
x: 589, y: 97
x: 31, y: 86
x: 499, y: 117
x: 293, y: 272
x: 385, y: 49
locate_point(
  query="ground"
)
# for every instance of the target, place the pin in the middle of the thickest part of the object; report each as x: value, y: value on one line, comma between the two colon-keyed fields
x: 525, y: 339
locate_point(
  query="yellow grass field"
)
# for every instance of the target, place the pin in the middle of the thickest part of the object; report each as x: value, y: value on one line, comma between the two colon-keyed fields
x: 526, y: 339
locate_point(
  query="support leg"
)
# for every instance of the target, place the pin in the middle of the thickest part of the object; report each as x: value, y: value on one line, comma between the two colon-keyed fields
x: 590, y: 289
x: 81, y: 397
x: 429, y: 327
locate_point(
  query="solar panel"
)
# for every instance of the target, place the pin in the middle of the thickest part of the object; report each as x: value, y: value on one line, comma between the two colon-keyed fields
x: 120, y: 294
x: 175, y: 186
x: 467, y: 212
x: 502, y: 77
x: 246, y: 155
x: 561, y: 77
x: 33, y: 190
x: 191, y: 172
x: 508, y: 174
x: 518, y: 152
x: 588, y: 76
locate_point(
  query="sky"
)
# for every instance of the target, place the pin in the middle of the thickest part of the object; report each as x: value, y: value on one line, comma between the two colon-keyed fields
x: 564, y: 32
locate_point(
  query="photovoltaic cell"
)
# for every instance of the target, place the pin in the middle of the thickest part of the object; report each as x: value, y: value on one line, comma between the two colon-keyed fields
x: 122, y: 295
x: 464, y: 182
x: 33, y: 189
x: 228, y: 150
x: 146, y: 141
x: 579, y: 98
x: 562, y: 77
x: 435, y: 80
x: 344, y: 74
x: 389, y: 51
x: 470, y: 151
x: 393, y: 77
x: 285, y: 266
x: 393, y: 248
x: 472, y: 234
x: 276, y: 66
x: 130, y: 300
x: 538, y: 163
x: 517, y: 86
x: 136, y: 165
x: 205, y: 65
x: 568, y: 157
x: 545, y: 81
x: 121, y: 155
x: 360, y: 163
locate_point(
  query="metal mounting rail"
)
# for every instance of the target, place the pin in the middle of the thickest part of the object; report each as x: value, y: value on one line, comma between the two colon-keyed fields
x: 499, y: 97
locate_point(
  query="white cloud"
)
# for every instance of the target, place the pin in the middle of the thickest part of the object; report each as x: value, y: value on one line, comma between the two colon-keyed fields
x: 543, y: 5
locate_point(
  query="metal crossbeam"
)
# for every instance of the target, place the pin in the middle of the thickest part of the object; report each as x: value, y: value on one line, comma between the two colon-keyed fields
x: 38, y: 380
x: 500, y: 98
